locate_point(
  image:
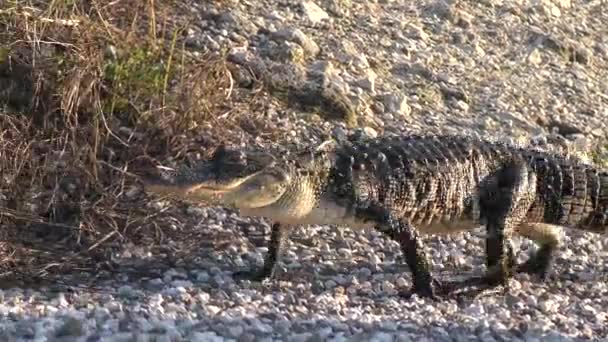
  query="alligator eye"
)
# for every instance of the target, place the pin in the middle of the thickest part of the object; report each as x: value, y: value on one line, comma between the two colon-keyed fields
x: 260, y: 159
x: 224, y: 155
x: 220, y: 152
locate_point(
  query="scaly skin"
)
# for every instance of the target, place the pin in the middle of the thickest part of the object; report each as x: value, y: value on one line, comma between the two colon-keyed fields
x: 405, y: 186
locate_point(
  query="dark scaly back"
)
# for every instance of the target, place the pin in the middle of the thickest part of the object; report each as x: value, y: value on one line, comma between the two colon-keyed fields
x: 423, y: 178
x: 570, y: 193
x: 429, y: 178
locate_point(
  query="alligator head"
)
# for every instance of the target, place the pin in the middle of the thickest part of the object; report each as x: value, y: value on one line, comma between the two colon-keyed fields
x: 230, y: 178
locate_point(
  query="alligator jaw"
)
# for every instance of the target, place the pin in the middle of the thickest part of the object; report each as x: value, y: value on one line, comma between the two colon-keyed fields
x: 254, y: 191
x: 199, y: 192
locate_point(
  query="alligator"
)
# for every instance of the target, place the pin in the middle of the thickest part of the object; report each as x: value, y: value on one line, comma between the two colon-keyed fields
x: 404, y: 187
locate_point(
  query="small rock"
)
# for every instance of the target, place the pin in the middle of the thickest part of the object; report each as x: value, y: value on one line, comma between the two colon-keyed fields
x: 71, y: 327
x: 532, y: 301
x: 204, y: 297
x: 535, y: 57
x: 401, y: 282
x: 549, y: 306
x: 330, y: 284
x: 227, y: 18
x: 479, y: 50
x: 475, y: 310
x: 61, y: 301
x: 461, y: 18
x: 378, y: 108
x: 126, y: 291
x: 237, y: 38
x: 589, y: 310
x: 247, y: 337
x: 364, y: 272
x: 396, y: 104
x: 552, y: 7
x: 339, y: 8
x: 322, y: 69
x: 25, y: 330
x: 213, y: 310
x: 211, y: 44
x: 202, y: 277
x: 582, y: 55
x: 208, y: 336
x: 297, y: 36
x: 382, y: 337
x: 370, y: 132
x: 403, y: 337
x: 261, y: 327
x: 458, y: 94
x: 322, y: 334
x: 388, y: 287
x: 313, y: 12
x: 235, y: 330
x: 303, y: 337
x: 462, y: 105
x: 339, y: 133
x: 288, y: 52
x: 102, y: 313
x: 602, y: 50
x: 368, y: 83
x: 326, y: 93
x: 181, y: 284
x: 416, y: 32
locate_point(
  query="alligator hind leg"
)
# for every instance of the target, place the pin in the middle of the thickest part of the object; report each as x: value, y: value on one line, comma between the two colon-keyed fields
x: 504, y: 202
x: 273, y: 255
x: 547, y: 236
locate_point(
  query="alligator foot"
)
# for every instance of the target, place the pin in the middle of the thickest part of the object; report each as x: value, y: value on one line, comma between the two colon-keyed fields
x: 252, y: 275
x: 436, y: 290
x: 538, y: 266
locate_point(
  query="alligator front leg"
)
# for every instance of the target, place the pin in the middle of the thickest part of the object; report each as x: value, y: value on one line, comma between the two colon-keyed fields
x: 411, y: 246
x: 267, y: 271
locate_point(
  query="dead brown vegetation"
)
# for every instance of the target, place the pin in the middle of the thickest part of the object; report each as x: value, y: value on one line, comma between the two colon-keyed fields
x: 93, y: 93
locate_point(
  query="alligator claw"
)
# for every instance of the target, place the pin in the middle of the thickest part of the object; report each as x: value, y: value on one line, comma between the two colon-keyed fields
x: 541, y: 271
x: 251, y: 275
x: 435, y: 290
x: 426, y: 294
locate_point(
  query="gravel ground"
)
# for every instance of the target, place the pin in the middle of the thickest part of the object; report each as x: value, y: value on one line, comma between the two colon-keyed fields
x: 506, y: 69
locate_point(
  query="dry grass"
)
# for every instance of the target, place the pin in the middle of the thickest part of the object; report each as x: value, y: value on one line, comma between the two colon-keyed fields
x: 94, y: 93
